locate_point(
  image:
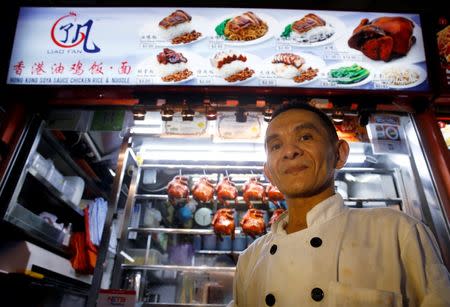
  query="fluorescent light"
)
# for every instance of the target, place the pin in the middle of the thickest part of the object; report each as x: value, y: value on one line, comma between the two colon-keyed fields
x: 128, y: 257
x: 112, y: 172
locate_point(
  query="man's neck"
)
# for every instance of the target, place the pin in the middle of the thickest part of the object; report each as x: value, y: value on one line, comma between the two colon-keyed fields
x: 300, y: 206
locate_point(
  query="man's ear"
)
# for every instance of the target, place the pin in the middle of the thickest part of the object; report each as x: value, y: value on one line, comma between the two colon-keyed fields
x: 267, y: 173
x: 343, y: 150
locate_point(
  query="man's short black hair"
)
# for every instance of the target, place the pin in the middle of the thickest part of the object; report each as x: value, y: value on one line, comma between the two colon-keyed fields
x: 328, y: 123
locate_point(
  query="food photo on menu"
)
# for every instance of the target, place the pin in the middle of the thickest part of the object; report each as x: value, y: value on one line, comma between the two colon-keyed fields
x: 383, y: 38
x: 173, y: 66
x: 178, y: 29
x: 293, y: 66
x: 311, y: 28
x: 232, y: 66
x: 245, y: 27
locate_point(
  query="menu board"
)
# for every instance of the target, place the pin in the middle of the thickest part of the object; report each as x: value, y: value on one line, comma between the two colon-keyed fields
x: 443, y: 46
x: 219, y: 47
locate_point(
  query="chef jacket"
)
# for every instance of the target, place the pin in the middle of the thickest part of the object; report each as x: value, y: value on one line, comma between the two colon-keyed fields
x: 345, y: 257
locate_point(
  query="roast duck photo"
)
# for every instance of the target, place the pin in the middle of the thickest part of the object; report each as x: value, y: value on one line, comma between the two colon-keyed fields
x: 223, y: 222
x: 226, y: 190
x: 178, y: 190
x: 203, y: 190
x: 253, y: 223
x: 253, y: 190
x: 383, y: 38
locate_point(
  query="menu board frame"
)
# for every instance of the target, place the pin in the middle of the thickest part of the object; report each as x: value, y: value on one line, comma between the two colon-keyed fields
x: 264, y: 85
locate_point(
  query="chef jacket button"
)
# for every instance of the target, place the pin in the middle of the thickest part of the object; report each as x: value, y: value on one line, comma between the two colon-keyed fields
x: 273, y: 249
x: 317, y: 294
x: 270, y: 299
x: 316, y: 242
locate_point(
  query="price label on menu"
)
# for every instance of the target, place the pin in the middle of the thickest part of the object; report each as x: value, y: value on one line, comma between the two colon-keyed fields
x: 145, y: 80
x: 204, y: 81
x: 328, y: 83
x: 208, y: 73
x: 268, y: 82
x: 380, y: 85
x: 216, y: 43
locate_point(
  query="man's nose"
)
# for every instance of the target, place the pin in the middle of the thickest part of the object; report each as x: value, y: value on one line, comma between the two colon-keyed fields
x: 292, y: 152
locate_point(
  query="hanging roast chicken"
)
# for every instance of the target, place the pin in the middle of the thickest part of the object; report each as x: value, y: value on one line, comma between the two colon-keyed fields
x: 383, y: 38
x: 275, y: 215
x: 273, y: 194
x: 226, y: 190
x: 223, y: 222
x: 253, y: 223
x: 203, y: 190
x: 253, y: 190
x: 178, y: 190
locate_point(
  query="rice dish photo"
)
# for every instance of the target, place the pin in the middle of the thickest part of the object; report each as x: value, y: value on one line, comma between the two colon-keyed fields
x: 177, y: 28
x: 232, y: 66
x: 245, y: 27
x: 399, y: 76
x: 172, y: 66
x: 309, y: 29
x: 292, y: 66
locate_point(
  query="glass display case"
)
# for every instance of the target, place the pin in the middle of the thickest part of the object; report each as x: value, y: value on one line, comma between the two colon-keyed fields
x: 170, y: 251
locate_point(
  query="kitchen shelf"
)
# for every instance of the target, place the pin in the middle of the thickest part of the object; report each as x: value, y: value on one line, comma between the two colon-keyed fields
x: 217, y: 252
x: 55, y: 193
x: 177, y: 231
x: 181, y: 305
x: 183, y: 268
x: 387, y: 200
x: 203, y: 166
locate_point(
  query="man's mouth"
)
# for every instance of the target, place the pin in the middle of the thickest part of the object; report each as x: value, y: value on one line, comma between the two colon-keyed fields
x: 295, y: 169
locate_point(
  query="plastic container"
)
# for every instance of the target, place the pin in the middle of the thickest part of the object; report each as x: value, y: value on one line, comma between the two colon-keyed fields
x: 73, y: 188
x: 55, y: 178
x: 40, y: 164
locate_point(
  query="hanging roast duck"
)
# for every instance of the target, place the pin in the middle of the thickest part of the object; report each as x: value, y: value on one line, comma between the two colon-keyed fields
x: 274, y: 195
x: 253, y: 190
x: 178, y: 190
x: 383, y: 38
x: 203, y: 190
x: 223, y: 222
x: 253, y: 223
x: 226, y: 190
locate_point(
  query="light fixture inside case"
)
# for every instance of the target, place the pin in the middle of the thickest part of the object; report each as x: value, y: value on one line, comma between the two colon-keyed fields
x: 139, y: 114
x: 166, y: 113
x: 241, y: 115
x: 267, y: 113
x: 337, y: 117
x: 187, y: 114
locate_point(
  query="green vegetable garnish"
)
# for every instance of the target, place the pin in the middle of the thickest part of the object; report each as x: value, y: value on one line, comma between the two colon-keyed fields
x: 349, y: 74
x: 287, y: 31
x: 220, y: 28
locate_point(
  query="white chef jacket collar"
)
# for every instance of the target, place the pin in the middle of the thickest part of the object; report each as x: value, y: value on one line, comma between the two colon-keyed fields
x: 322, y: 212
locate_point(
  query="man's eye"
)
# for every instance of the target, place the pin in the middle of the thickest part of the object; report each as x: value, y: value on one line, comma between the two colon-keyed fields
x: 305, y: 137
x: 275, y: 147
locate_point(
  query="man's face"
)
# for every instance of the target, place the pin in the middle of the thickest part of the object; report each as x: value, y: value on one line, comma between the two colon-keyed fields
x: 300, y: 154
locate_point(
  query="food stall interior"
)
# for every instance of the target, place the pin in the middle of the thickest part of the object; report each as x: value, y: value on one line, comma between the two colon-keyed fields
x: 174, y: 248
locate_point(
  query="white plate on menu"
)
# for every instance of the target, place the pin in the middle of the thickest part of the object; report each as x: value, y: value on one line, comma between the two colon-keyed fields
x: 312, y: 61
x: 252, y: 62
x: 198, y: 23
x: 400, y: 76
x: 151, y: 65
x: 415, y: 55
x: 273, y: 29
x: 334, y: 22
x: 368, y: 79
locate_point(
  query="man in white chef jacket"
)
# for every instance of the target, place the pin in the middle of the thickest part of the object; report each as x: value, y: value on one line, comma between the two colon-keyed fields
x: 322, y: 253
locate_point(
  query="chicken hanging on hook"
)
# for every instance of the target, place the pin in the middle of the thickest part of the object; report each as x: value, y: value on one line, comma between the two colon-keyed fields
x: 178, y: 190
x: 223, y: 222
x: 253, y: 191
x: 253, y: 223
x: 226, y: 190
x: 203, y: 190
